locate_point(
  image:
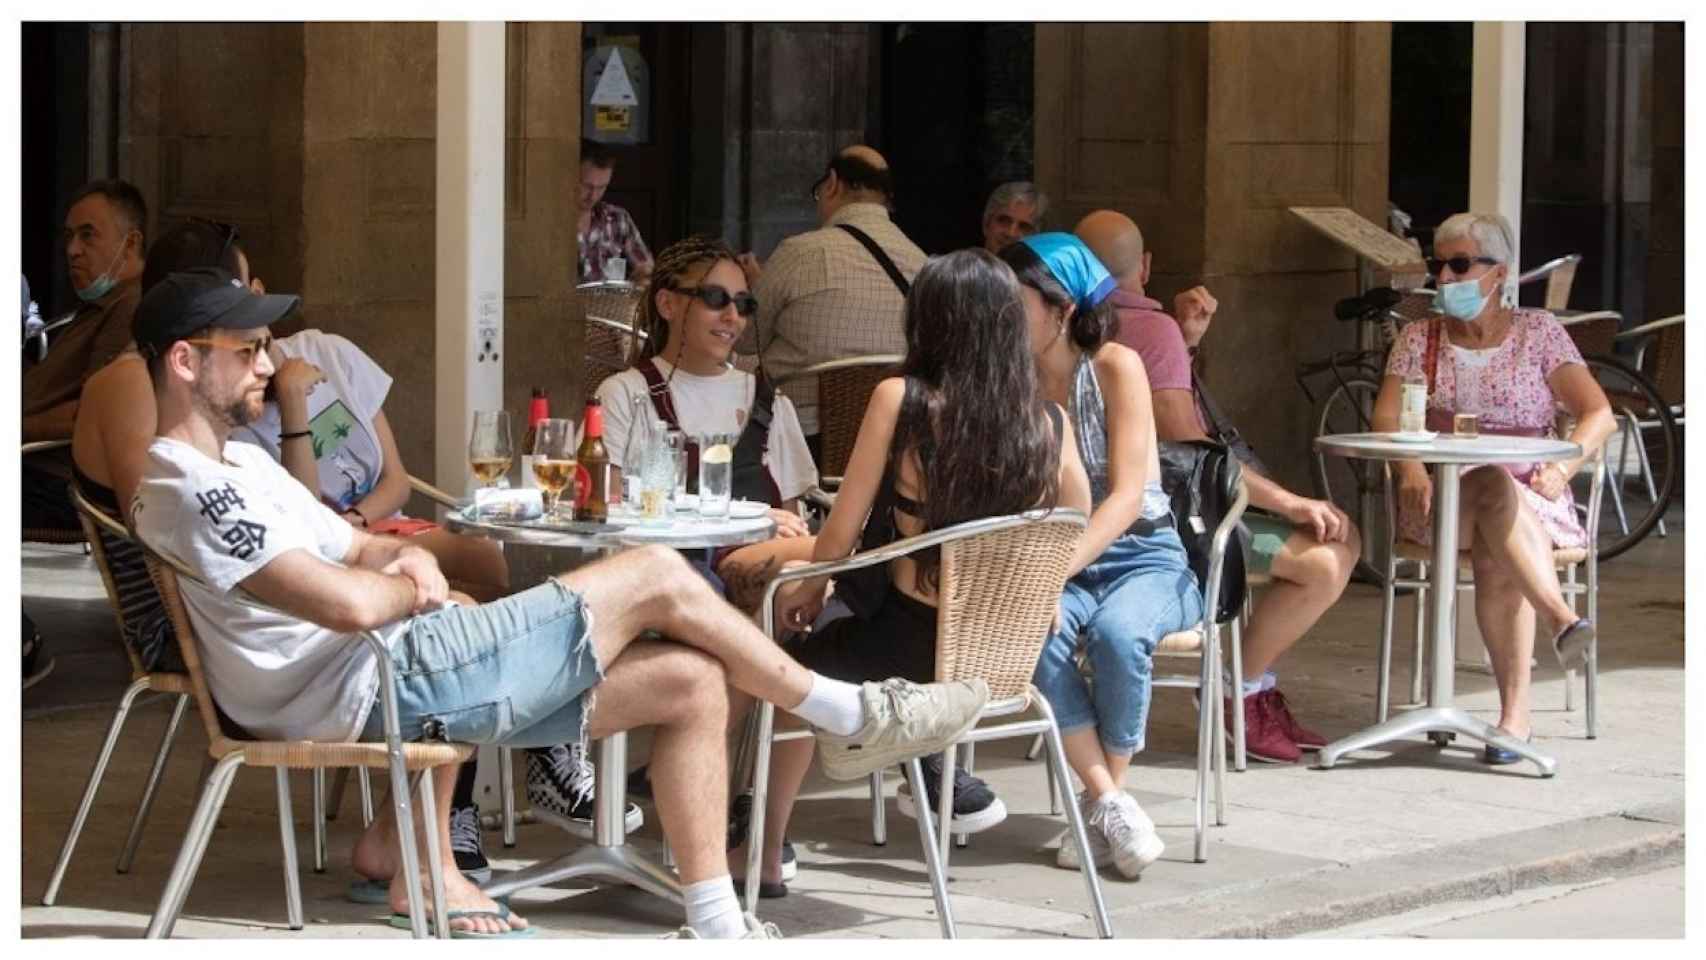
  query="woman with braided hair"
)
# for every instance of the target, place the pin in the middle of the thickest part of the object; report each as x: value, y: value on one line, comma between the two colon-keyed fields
x: 695, y: 309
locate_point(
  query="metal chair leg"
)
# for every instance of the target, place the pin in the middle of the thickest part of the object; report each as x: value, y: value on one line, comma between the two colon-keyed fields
x: 435, y: 862
x: 1207, y: 684
x: 1036, y: 748
x: 1218, y: 719
x: 927, y: 840
x: 944, y: 807
x: 506, y: 786
x: 1592, y: 670
x: 340, y: 780
x: 319, y: 810
x: 149, y: 790
x: 879, y: 810
x: 1240, y: 759
x: 1570, y: 674
x: 366, y: 785
x: 1383, y: 673
x: 1075, y: 821
x: 287, y: 838
x: 760, y: 797
x: 114, y: 728
x: 1421, y: 635
x: 218, y: 784
x: 961, y: 840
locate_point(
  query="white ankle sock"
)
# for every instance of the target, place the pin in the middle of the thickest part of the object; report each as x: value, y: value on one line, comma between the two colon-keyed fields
x: 833, y: 706
x: 1249, y: 688
x: 712, y: 909
x: 1270, y: 680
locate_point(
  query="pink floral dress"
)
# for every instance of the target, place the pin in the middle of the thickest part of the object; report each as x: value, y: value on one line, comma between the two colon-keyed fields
x: 1506, y: 387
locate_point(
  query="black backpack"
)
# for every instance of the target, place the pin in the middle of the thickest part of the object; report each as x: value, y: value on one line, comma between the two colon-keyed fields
x: 1201, y: 479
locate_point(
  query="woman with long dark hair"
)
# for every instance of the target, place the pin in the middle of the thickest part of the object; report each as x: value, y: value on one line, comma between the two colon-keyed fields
x: 1131, y: 583
x: 960, y: 433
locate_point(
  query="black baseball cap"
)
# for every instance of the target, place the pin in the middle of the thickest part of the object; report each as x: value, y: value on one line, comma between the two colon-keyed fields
x: 189, y: 301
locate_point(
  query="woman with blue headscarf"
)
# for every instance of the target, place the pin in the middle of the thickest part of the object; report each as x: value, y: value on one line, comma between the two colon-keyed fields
x: 1131, y: 583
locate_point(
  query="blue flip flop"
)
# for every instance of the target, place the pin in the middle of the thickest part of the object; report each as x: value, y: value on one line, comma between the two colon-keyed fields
x: 377, y: 893
x: 401, y: 922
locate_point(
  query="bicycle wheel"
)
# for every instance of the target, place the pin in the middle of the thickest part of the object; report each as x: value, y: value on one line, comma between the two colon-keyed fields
x: 1353, y: 485
x: 1643, y: 458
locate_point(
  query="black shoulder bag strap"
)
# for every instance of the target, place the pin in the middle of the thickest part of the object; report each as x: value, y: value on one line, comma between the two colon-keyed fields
x: 882, y: 258
x: 1222, y: 431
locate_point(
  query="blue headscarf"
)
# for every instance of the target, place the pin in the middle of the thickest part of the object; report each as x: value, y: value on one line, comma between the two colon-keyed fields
x: 1074, y: 266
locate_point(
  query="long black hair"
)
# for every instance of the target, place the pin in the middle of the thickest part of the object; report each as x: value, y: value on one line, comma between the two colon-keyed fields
x: 1090, y: 328
x: 979, y: 425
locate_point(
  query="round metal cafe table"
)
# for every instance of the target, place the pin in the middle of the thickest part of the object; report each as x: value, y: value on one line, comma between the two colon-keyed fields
x: 609, y: 855
x: 1447, y: 455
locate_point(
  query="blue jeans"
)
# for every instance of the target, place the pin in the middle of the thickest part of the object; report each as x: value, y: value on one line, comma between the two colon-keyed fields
x: 1139, y: 590
x: 518, y: 672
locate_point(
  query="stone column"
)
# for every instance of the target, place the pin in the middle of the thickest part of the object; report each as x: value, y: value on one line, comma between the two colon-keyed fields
x: 1204, y: 134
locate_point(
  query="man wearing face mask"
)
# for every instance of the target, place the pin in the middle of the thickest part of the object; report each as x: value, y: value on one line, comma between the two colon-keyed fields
x: 104, y: 247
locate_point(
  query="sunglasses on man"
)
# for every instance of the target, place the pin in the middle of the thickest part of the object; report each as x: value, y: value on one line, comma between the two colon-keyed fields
x: 1458, y: 265
x: 227, y: 232
x: 715, y: 297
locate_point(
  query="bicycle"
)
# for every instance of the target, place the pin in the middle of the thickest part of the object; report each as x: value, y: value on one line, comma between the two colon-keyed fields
x: 1641, y: 470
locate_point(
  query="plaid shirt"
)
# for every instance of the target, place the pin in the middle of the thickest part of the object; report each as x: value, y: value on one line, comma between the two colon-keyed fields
x: 611, y: 233
x: 822, y: 296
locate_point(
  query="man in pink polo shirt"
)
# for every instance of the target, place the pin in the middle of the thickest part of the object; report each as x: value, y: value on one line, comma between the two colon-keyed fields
x: 1308, y: 547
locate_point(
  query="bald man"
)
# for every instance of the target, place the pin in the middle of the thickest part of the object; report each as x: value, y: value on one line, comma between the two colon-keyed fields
x: 838, y: 291
x: 1308, y: 547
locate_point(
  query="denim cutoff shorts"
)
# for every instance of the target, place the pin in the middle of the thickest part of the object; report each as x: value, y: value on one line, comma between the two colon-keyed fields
x: 519, y: 672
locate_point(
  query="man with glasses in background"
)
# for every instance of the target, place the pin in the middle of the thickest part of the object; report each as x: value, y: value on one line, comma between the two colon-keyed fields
x: 838, y: 291
x: 1015, y: 211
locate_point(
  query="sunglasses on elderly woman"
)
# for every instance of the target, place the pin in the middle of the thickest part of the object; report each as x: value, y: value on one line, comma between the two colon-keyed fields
x: 717, y: 298
x: 1458, y: 265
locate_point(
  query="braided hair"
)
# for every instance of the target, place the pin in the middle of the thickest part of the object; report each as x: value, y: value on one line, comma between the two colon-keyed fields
x: 674, y: 261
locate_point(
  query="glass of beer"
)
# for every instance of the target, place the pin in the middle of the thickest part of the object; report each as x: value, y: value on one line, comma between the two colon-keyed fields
x: 553, y: 459
x: 490, y: 449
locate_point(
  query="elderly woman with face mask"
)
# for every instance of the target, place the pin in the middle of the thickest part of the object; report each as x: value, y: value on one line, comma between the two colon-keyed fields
x: 1514, y: 368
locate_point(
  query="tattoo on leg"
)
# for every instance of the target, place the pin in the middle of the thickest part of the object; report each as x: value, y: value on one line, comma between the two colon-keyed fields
x: 745, y: 584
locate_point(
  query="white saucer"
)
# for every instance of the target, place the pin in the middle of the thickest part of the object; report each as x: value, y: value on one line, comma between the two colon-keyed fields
x: 747, y: 509
x: 1425, y: 436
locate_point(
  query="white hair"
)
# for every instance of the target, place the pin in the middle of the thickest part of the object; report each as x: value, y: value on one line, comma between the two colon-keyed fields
x: 1492, y: 235
x: 1022, y: 191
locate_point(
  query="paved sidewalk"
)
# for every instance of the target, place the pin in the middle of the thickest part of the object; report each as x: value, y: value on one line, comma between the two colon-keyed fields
x: 1387, y: 832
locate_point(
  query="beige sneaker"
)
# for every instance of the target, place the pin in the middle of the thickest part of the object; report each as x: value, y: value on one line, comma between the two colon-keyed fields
x: 902, y: 720
x: 755, y: 930
x: 1067, y: 856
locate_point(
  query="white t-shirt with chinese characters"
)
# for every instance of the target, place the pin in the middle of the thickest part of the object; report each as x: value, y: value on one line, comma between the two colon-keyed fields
x: 277, y: 676
x: 716, y: 404
x: 340, y: 417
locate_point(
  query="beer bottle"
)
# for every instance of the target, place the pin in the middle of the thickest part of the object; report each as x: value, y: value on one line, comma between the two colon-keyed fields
x: 537, y: 410
x: 592, y: 471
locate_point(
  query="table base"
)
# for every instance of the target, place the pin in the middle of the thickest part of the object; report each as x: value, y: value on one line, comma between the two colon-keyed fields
x: 1428, y: 719
x: 622, y: 863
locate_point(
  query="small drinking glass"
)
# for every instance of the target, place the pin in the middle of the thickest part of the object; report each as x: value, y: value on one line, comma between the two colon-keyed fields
x: 554, y: 460
x: 678, y: 456
x: 1466, y: 425
x: 490, y: 449
x: 716, y: 474
x: 616, y: 270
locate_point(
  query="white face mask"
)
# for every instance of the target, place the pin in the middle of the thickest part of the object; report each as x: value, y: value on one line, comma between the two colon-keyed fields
x: 103, y: 284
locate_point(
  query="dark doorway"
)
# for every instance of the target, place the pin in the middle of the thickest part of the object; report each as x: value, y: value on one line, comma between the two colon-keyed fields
x: 54, y: 151
x: 1432, y: 71
x: 650, y: 180
x: 954, y: 122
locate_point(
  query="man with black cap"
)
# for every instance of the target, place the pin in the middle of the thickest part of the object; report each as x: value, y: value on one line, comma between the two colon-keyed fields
x: 522, y: 671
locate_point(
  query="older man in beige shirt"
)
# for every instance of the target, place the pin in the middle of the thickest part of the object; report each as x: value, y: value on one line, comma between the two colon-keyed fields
x: 823, y: 295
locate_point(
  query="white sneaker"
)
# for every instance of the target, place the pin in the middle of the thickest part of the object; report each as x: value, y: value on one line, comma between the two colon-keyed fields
x: 1129, y: 832
x: 902, y: 720
x: 1067, y: 857
x: 755, y: 930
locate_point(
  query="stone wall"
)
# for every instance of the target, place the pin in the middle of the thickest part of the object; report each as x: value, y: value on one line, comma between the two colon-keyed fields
x: 318, y: 141
x: 1204, y: 134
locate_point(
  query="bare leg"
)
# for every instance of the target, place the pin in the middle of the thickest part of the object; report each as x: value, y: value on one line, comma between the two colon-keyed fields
x: 747, y: 571
x: 789, y: 761
x: 1507, y: 627
x: 474, y: 564
x: 377, y: 855
x: 1090, y: 760
x: 680, y: 692
x: 1510, y: 534
x: 1308, y: 577
x: 654, y: 589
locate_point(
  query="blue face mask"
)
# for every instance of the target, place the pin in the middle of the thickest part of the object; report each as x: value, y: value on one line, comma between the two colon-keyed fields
x: 1462, y: 300
x: 103, y: 284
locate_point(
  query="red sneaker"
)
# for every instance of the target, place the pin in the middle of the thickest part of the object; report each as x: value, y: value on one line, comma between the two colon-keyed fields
x: 1265, y: 738
x: 1301, y: 735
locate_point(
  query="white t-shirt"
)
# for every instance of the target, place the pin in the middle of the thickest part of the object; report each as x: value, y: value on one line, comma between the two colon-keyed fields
x: 277, y: 676
x: 340, y: 417
x: 716, y: 404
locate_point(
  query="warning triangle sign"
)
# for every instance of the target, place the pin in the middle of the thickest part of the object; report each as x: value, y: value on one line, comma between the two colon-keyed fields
x: 613, y: 88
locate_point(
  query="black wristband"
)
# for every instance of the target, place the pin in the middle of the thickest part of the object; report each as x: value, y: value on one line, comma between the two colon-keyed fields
x: 292, y: 436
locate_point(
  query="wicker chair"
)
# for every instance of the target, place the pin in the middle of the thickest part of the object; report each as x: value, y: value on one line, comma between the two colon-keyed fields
x: 1001, y: 579
x: 1664, y: 339
x: 1593, y: 331
x: 608, y: 311
x: 1560, y: 275
x: 231, y: 750
x: 50, y: 534
x: 844, y: 389
x: 1571, y: 561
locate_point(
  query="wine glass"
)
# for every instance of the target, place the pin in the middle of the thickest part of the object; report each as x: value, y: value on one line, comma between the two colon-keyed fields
x: 554, y: 459
x: 490, y: 449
